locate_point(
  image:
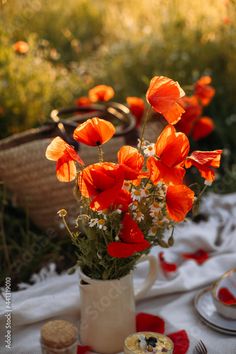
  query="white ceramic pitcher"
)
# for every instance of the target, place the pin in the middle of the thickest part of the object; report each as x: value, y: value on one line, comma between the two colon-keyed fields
x: 108, y: 309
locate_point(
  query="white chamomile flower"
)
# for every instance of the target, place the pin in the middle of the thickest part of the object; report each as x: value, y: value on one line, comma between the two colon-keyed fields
x: 152, y: 231
x: 165, y: 220
x: 134, y: 205
x: 139, y: 216
x: 93, y: 222
x: 102, y: 213
x: 149, y: 150
x: 155, y: 206
x: 142, y: 144
x: 155, y: 214
x: 139, y: 194
x: 101, y: 224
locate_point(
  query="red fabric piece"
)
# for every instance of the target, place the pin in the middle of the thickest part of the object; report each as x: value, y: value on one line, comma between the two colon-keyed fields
x: 199, y: 256
x: 181, y: 342
x: 145, y: 322
x: 226, y: 296
x: 166, y: 267
x: 82, y: 349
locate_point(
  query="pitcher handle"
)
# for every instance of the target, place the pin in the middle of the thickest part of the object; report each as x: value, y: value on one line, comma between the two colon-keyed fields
x: 151, y: 277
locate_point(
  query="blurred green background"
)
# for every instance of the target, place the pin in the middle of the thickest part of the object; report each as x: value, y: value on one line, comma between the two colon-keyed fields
x: 77, y: 44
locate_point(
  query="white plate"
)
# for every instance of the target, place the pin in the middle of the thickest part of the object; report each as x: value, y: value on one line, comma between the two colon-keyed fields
x: 206, y: 309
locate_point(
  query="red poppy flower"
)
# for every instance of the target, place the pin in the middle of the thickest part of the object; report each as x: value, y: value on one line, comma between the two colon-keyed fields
x: 132, y: 240
x: 192, y: 112
x: 171, y: 150
x: 137, y: 107
x: 21, y: 47
x: 202, y: 128
x: 166, y: 267
x: 122, y: 200
x: 203, y: 91
x: 131, y: 161
x: 101, y: 93
x: 82, y: 101
x: 179, y: 201
x: 102, y: 182
x: 181, y: 342
x: 199, y: 256
x: 83, y: 349
x: 205, y: 162
x: 225, y: 296
x: 145, y: 322
x: 65, y: 155
x: 163, y: 95
x: 94, y: 132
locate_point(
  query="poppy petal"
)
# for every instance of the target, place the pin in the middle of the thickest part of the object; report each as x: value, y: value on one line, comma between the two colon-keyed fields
x: 55, y: 149
x: 166, y: 267
x: 130, y: 231
x: 160, y: 172
x: 146, y: 322
x: 105, y: 199
x: 137, y: 107
x: 202, y: 128
x: 163, y: 95
x: 205, y: 162
x: 101, y: 93
x: 83, y: 101
x: 66, y: 170
x: 172, y: 147
x: 94, y: 132
x: 100, y: 177
x: 203, y: 91
x: 200, y: 256
x: 192, y: 113
x: 131, y: 161
x: 179, y: 201
x: 181, y: 342
x: 122, y: 200
x: 124, y: 250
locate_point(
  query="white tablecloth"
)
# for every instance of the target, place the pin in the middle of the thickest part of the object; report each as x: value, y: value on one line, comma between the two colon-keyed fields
x: 58, y: 296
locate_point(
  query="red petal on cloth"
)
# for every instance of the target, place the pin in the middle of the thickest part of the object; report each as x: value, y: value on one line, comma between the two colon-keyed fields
x: 181, y: 342
x: 82, y: 349
x: 145, y: 322
x: 225, y: 296
x: 166, y: 267
x: 199, y: 256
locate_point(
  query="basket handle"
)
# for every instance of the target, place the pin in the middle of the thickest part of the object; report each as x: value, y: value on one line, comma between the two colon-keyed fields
x: 109, y: 112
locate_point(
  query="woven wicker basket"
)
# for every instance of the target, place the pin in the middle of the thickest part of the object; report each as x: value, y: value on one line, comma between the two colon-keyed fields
x: 31, y: 177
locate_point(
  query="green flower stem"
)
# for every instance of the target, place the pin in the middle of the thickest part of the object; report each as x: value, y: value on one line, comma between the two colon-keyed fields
x: 197, y: 202
x: 148, y: 113
x: 100, y: 153
x: 67, y: 227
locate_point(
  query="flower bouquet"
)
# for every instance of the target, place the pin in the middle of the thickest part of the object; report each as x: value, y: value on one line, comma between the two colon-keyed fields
x: 126, y: 207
